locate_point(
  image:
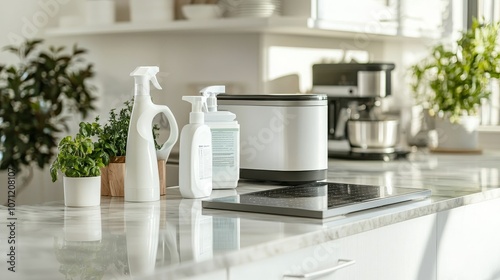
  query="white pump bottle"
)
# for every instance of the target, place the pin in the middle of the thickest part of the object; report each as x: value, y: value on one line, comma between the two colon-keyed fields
x: 142, y: 181
x: 195, y: 158
x: 225, y: 141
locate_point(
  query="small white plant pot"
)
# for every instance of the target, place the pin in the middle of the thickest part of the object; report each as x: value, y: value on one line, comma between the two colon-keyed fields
x: 457, y: 136
x: 82, y: 191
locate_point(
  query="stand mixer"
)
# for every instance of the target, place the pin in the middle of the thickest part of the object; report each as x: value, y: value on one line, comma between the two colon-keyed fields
x: 357, y: 129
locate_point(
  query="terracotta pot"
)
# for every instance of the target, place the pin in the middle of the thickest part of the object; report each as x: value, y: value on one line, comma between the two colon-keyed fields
x: 114, y: 184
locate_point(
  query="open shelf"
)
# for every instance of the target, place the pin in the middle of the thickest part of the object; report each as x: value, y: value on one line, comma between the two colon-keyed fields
x: 271, y: 25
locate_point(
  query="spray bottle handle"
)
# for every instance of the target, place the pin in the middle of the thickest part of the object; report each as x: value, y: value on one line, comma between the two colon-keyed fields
x: 166, y: 148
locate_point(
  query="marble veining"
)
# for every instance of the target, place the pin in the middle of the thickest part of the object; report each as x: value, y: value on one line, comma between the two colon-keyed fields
x: 176, y: 237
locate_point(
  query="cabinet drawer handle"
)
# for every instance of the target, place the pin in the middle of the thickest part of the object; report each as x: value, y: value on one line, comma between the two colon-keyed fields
x: 343, y: 263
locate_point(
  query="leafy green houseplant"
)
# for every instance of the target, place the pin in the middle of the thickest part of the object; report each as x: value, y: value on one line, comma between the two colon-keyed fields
x: 80, y: 156
x: 80, y: 159
x: 115, y: 131
x: 36, y: 96
x: 453, y: 80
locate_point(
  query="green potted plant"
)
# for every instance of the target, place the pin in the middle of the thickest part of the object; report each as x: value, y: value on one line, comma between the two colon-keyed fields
x: 80, y: 160
x: 36, y: 96
x: 114, y: 133
x: 452, y: 81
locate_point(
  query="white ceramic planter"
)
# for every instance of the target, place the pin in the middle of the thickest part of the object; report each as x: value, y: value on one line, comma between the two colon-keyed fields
x: 82, y: 191
x: 457, y: 136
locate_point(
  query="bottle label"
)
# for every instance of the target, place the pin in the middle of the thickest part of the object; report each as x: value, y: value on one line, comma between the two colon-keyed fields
x: 224, y: 147
x: 205, y: 161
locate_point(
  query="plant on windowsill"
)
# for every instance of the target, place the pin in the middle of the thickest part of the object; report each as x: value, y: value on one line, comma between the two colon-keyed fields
x: 452, y: 81
x: 80, y: 160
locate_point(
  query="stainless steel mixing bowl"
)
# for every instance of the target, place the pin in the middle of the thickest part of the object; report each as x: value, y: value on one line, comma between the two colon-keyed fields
x: 373, y: 134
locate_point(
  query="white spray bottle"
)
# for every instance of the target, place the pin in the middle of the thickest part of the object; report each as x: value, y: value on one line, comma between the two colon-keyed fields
x: 225, y: 141
x: 142, y: 181
x: 195, y: 155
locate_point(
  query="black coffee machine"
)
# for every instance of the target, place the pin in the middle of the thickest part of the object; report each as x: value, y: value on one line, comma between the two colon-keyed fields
x: 354, y: 91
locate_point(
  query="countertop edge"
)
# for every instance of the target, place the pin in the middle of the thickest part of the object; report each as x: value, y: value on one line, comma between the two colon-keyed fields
x: 293, y: 243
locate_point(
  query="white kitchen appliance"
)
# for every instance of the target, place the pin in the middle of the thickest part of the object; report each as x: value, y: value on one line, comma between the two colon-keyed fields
x: 283, y: 137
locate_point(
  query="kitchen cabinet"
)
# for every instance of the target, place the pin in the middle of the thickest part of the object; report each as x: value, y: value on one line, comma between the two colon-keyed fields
x: 405, y: 250
x: 468, y: 242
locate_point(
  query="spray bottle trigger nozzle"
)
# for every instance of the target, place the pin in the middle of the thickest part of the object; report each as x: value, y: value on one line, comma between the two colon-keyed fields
x: 211, y: 93
x: 204, y: 106
x: 155, y: 83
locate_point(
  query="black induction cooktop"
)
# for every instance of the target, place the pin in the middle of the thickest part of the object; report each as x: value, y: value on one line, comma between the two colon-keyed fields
x: 317, y: 200
x: 398, y: 154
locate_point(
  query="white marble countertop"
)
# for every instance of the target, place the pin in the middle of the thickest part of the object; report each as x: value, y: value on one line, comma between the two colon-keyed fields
x: 176, y: 237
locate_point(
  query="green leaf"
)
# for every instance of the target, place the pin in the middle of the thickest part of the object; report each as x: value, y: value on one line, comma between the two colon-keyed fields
x: 53, y: 171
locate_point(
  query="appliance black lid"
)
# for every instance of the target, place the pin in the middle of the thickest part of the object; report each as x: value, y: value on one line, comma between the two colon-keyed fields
x: 272, y: 97
x: 378, y: 66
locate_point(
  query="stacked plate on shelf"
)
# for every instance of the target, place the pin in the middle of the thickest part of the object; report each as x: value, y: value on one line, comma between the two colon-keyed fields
x: 251, y: 8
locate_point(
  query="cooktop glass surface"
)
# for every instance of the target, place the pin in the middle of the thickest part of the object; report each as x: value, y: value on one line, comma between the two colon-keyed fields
x: 317, y: 200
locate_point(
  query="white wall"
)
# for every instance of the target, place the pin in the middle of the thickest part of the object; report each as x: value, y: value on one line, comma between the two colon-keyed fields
x: 301, y: 52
